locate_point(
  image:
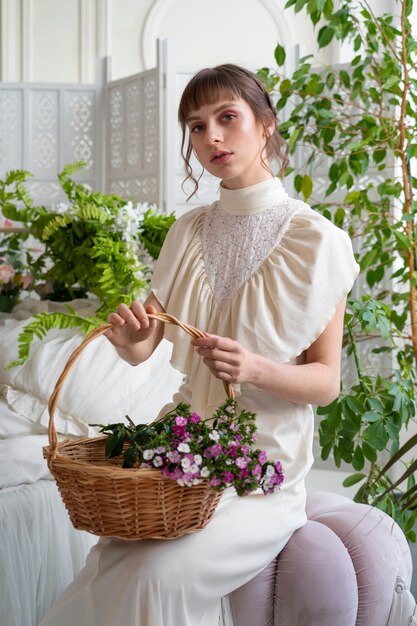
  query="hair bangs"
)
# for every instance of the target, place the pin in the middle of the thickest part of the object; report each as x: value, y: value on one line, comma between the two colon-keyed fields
x: 208, y: 87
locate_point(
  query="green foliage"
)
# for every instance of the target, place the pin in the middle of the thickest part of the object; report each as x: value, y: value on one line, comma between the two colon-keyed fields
x: 44, y: 322
x: 358, y: 124
x: 154, y: 229
x: 96, y: 244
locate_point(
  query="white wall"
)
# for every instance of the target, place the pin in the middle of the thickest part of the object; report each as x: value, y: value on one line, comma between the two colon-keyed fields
x: 58, y: 40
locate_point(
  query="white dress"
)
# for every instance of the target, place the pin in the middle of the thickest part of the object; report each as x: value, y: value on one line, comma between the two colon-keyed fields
x: 269, y: 272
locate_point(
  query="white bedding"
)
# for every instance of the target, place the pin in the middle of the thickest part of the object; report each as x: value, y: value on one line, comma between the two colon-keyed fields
x: 21, y: 460
x: 40, y: 551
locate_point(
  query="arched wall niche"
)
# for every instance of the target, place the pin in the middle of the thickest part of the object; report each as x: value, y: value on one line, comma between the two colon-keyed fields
x: 239, y: 31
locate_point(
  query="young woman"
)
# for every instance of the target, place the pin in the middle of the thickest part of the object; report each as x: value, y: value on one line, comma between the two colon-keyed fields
x: 266, y: 277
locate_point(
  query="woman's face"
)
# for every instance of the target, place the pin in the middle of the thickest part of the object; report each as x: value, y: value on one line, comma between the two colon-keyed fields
x: 228, y: 140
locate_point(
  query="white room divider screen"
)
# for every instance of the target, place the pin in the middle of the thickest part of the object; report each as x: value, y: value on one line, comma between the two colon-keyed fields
x: 45, y: 126
x: 118, y: 128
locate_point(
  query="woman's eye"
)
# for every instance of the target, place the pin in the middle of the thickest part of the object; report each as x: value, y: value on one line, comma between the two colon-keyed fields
x: 196, y: 129
x: 229, y: 116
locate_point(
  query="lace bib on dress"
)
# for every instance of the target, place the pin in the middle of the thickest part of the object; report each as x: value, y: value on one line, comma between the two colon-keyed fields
x: 240, y: 232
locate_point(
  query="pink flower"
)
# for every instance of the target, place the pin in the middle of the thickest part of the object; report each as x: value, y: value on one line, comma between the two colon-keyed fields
x: 195, y: 418
x: 257, y: 470
x: 180, y: 421
x: 6, y: 274
x: 26, y: 280
x: 215, y: 482
x: 241, y: 462
x: 228, y: 477
x: 262, y: 458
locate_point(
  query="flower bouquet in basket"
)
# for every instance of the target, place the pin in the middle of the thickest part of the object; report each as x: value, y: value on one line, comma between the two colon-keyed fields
x: 188, y: 450
x: 160, y: 480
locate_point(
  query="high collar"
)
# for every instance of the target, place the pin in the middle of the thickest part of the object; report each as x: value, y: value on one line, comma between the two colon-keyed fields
x: 253, y: 199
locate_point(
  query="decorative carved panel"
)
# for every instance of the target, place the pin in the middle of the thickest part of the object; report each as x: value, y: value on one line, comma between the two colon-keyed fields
x: 80, y: 146
x: 133, y: 131
x: 10, y: 130
x: 143, y: 189
x: 116, y: 128
x: 150, y: 121
x: 43, y: 132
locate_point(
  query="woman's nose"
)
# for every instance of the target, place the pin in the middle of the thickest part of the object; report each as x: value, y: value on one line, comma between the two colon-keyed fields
x: 214, y: 136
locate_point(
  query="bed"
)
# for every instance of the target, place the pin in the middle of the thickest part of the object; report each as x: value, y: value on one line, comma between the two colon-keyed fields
x: 40, y: 551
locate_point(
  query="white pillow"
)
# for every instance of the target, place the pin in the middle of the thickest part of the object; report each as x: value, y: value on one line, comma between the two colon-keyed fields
x: 100, y: 388
x: 14, y: 425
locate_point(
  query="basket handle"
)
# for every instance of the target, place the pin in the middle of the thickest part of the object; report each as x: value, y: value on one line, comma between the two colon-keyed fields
x: 97, y: 332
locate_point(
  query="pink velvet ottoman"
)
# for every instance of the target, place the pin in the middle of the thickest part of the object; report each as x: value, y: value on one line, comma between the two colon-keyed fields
x: 350, y: 565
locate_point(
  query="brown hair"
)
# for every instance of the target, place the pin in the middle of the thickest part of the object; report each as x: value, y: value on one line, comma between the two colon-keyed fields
x: 230, y: 82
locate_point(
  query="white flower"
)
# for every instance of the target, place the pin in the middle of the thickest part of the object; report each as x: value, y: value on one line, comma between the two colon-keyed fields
x: 61, y: 208
x: 198, y: 459
x: 148, y: 454
x: 196, y: 481
x: 186, y: 464
x: 205, y: 472
x: 157, y: 461
x: 214, y: 435
x: 160, y: 450
x: 193, y: 469
x: 270, y: 470
x: 183, y: 447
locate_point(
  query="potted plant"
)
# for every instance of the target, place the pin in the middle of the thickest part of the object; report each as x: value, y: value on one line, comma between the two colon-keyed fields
x: 93, y: 245
x: 357, y: 123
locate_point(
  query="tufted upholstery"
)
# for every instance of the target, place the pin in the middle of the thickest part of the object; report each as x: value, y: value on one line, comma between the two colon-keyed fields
x: 350, y: 565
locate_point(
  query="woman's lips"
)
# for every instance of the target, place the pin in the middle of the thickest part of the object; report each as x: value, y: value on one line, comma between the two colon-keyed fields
x: 220, y: 157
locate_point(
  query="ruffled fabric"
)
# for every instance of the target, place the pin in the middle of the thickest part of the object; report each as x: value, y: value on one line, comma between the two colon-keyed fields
x: 278, y: 313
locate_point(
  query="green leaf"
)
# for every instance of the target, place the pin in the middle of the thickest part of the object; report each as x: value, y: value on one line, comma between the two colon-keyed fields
x: 280, y: 55
x: 369, y: 452
x: 376, y: 435
x: 370, y: 416
x: 353, y: 479
x: 325, y: 36
x: 358, y: 459
x: 306, y: 186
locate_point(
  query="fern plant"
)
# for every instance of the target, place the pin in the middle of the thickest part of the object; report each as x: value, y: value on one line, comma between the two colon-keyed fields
x: 94, y: 244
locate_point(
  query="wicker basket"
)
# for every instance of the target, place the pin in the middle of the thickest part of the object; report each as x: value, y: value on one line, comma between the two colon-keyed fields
x: 107, y: 500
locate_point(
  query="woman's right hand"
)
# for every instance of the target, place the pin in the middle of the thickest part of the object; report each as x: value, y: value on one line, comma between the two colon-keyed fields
x: 131, y: 324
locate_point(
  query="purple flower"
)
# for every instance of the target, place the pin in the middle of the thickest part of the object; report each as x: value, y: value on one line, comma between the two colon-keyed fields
x: 215, y: 482
x: 213, y: 451
x: 174, y: 456
x: 195, y: 418
x: 257, y: 470
x: 180, y: 421
x: 228, y: 477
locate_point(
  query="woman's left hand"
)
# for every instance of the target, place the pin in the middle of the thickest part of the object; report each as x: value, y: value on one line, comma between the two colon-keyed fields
x: 227, y: 359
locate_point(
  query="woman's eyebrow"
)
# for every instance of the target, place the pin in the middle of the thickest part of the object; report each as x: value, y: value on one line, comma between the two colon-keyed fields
x: 225, y: 105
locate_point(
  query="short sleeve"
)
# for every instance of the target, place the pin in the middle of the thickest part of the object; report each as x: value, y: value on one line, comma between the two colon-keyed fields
x: 308, y: 275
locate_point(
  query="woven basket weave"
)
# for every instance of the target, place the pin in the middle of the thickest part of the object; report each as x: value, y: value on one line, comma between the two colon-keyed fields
x: 107, y: 500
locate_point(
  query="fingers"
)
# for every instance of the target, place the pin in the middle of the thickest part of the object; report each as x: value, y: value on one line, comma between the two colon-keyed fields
x: 214, y: 341
x: 135, y: 316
